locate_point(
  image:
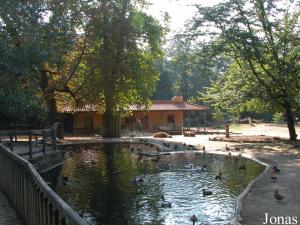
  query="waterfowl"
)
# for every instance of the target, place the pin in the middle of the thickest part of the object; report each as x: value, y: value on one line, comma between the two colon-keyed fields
x: 203, y: 148
x: 138, y: 205
x: 137, y: 180
x: 237, y: 148
x: 194, y: 219
x: 165, y: 144
x: 219, y: 176
x: 204, y: 168
x: 227, y: 148
x: 189, y: 166
x: 276, y: 169
x: 242, y: 167
x: 206, y: 193
x: 175, y: 146
x: 278, y: 196
x: 168, y: 145
x: 140, y: 139
x: 165, y: 204
x: 273, y: 175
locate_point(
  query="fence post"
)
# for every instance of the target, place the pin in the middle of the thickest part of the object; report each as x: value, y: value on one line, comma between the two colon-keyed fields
x: 54, y: 139
x: 44, y: 142
x: 30, y: 144
x: 11, y: 142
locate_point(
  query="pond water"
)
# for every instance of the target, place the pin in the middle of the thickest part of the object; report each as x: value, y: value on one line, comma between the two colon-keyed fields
x: 96, y: 181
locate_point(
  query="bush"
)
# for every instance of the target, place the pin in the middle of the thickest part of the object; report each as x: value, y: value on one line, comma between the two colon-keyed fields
x: 278, y: 117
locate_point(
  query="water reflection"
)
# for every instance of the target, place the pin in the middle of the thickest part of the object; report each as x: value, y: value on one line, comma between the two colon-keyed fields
x: 100, y: 186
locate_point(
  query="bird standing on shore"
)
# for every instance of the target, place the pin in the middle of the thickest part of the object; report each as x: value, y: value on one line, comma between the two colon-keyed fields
x: 227, y: 148
x: 237, y: 148
x: 278, y: 196
x: 273, y: 175
x: 276, y: 169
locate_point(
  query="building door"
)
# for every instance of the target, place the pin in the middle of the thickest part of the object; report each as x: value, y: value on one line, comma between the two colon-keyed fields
x: 69, y: 122
x: 88, y: 124
x: 171, y: 122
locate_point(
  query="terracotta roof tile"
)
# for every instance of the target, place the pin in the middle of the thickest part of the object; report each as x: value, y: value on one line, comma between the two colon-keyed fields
x: 157, y: 105
x: 169, y: 106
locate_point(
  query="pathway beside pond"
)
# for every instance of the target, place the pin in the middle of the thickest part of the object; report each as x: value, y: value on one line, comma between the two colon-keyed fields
x: 8, y: 216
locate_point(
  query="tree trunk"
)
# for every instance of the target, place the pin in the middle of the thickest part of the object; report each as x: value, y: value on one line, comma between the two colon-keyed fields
x: 52, y: 114
x: 111, y: 124
x: 111, y: 120
x: 290, y: 121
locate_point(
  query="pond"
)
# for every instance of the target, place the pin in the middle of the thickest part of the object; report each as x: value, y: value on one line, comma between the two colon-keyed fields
x: 97, y: 182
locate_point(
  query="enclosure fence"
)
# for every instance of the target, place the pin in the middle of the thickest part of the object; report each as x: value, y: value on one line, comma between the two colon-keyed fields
x: 34, y: 201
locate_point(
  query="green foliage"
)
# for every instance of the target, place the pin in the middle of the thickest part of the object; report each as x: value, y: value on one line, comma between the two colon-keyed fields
x: 18, y: 107
x: 262, y: 38
x: 126, y: 42
x: 218, y: 116
x: 278, y: 117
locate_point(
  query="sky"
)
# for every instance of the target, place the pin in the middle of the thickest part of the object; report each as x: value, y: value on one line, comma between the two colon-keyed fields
x: 179, y: 10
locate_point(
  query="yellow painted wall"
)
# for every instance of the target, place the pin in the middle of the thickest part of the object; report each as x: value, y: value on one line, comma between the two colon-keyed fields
x: 155, y: 119
x: 82, y: 122
x: 160, y: 118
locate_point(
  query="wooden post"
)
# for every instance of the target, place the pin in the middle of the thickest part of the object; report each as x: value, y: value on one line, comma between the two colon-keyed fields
x: 54, y: 139
x: 30, y: 144
x: 11, y: 142
x: 44, y: 142
x: 205, y: 122
x: 189, y: 122
x: 227, y: 130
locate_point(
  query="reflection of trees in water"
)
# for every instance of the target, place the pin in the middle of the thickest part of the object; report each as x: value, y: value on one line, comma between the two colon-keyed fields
x: 100, y: 181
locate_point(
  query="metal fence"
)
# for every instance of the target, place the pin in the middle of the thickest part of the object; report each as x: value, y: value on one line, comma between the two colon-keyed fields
x: 34, y: 201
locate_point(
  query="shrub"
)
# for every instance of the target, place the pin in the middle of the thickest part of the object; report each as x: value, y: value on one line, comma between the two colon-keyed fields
x: 278, y: 117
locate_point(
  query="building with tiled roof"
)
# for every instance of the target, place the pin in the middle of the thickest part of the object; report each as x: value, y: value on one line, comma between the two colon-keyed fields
x: 160, y: 115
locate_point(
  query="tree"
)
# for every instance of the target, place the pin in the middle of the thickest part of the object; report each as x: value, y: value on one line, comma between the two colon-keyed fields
x: 125, y: 44
x: 262, y: 37
x: 35, y: 39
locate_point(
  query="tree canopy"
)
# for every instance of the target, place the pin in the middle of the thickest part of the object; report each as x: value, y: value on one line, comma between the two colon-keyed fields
x: 262, y: 38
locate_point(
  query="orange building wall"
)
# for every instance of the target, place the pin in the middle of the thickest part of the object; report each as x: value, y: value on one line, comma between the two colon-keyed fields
x: 160, y: 118
x: 88, y: 122
x: 91, y: 122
